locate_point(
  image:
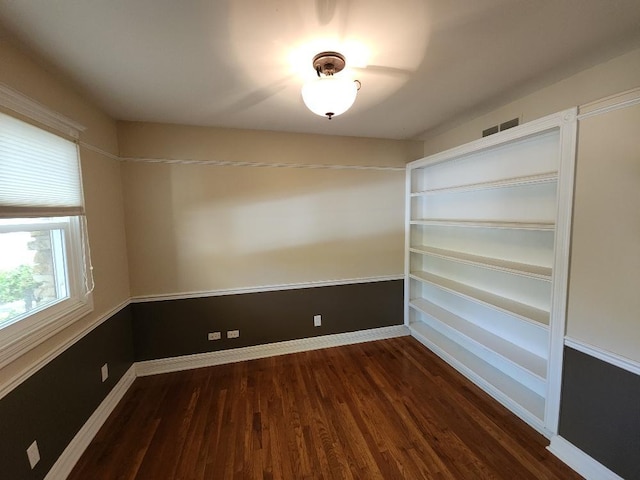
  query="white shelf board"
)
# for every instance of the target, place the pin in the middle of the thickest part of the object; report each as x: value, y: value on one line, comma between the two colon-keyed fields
x: 511, y: 393
x: 546, y: 177
x: 522, y: 358
x: 526, y: 312
x: 449, y: 222
x: 533, y: 271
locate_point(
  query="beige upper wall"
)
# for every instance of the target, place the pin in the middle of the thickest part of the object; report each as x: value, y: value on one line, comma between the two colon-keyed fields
x: 604, y: 269
x: 193, y: 228
x: 605, y: 258
x: 102, y: 188
x: 609, y: 78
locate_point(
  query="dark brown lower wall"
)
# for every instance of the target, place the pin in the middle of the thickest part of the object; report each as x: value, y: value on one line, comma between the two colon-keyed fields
x: 600, y: 412
x: 172, y: 328
x: 54, y: 403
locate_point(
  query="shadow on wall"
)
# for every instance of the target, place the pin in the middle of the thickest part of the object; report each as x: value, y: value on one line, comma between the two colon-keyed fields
x: 330, y: 260
x: 201, y: 228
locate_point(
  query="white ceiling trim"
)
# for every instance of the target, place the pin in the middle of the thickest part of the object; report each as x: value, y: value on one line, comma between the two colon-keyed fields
x: 223, y: 163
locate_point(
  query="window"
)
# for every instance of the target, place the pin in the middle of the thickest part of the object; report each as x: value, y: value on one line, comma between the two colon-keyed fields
x: 45, y: 277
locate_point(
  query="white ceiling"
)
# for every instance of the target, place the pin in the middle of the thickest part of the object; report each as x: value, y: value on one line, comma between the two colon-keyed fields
x: 241, y: 63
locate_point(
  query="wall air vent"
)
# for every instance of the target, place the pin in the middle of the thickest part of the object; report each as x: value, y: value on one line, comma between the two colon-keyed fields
x: 491, y: 130
x: 514, y: 122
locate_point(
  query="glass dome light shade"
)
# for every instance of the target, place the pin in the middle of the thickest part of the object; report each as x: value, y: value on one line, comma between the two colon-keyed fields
x: 329, y: 96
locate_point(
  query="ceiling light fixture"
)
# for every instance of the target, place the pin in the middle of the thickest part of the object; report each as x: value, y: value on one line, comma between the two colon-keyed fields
x: 327, y: 95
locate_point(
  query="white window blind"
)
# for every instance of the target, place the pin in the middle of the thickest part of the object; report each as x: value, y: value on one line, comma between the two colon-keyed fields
x: 39, y: 172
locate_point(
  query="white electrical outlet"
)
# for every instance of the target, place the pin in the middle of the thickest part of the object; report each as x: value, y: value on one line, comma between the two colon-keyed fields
x: 214, y: 336
x: 34, y: 454
x: 105, y: 372
x: 233, y: 333
x: 317, y: 320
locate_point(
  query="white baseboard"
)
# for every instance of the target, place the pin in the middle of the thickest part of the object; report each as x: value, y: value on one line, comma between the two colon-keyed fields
x: 582, y: 463
x: 67, y: 460
x: 187, y: 362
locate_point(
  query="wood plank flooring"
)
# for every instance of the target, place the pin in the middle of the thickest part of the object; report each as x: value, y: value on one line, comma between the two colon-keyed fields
x: 380, y: 410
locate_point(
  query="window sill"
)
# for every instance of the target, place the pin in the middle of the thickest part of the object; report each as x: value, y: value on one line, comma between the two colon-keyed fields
x: 17, y: 339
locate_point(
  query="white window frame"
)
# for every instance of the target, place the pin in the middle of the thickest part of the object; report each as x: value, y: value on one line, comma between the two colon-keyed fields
x: 28, y: 331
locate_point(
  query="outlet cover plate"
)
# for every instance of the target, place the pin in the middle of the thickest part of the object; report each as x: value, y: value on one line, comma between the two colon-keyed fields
x: 34, y: 454
x: 317, y: 320
x: 214, y: 336
x: 233, y: 333
x: 105, y: 371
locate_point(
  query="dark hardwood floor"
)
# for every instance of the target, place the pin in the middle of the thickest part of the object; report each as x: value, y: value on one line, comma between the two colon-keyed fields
x: 380, y: 410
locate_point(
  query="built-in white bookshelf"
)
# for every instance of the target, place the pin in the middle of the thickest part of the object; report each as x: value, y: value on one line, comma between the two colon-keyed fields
x: 487, y: 259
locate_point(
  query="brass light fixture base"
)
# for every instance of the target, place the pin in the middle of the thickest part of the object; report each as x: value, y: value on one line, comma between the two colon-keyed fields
x: 328, y: 63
